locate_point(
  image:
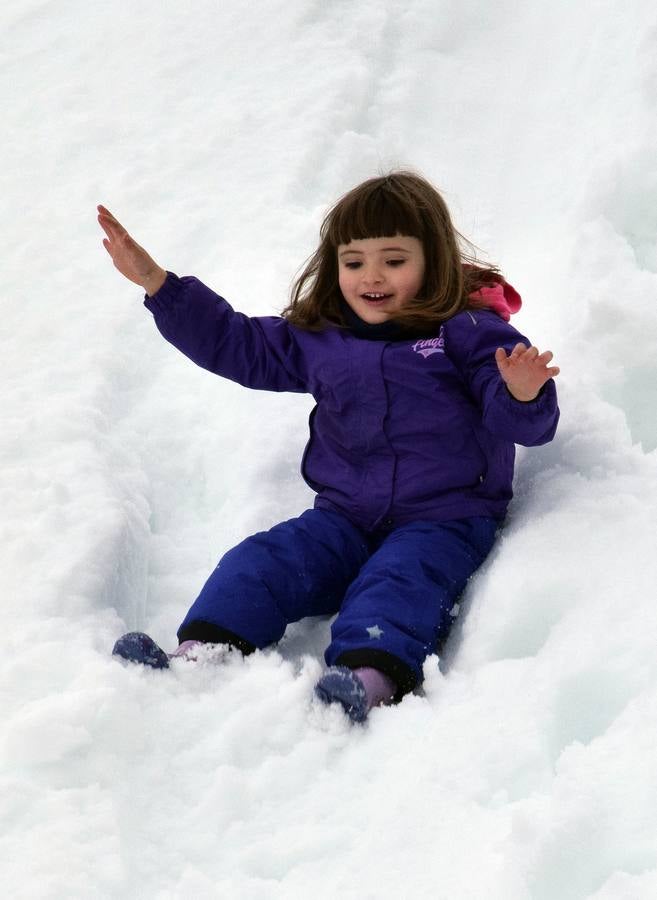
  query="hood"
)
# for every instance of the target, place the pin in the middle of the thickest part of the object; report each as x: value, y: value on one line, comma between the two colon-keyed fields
x: 501, y: 298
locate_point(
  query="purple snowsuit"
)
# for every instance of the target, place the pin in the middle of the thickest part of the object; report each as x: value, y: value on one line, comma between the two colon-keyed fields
x: 411, y: 442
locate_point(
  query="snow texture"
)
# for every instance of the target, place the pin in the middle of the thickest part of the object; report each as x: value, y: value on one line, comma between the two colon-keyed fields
x: 219, y: 133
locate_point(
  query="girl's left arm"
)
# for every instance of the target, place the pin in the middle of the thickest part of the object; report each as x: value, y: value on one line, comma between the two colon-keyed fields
x: 510, y: 380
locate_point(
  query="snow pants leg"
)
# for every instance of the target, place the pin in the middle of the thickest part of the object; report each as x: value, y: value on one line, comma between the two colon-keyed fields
x: 399, y: 607
x: 299, y: 568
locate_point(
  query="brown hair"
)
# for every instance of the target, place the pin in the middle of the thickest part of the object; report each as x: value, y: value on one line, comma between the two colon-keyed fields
x: 400, y: 203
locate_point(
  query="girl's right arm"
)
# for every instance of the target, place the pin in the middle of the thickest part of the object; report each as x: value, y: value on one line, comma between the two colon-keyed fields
x: 130, y: 259
x: 259, y: 352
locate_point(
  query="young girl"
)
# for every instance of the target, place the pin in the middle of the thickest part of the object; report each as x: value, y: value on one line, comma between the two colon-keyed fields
x: 422, y: 388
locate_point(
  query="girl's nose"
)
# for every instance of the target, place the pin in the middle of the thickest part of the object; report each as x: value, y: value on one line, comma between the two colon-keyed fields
x: 372, y: 275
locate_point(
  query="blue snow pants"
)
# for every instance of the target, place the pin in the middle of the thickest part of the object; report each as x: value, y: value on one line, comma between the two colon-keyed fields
x: 394, y: 591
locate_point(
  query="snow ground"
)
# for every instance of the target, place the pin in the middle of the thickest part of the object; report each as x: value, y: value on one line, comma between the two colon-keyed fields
x: 219, y: 134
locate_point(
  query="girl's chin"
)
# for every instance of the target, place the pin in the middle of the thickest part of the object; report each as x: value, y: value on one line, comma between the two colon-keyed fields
x: 373, y: 317
x: 373, y: 312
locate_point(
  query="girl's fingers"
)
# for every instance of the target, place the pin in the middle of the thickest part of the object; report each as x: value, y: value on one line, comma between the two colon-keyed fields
x: 530, y: 354
x: 110, y: 223
x: 527, y: 352
x: 104, y: 211
x: 523, y: 359
x: 107, y: 228
x: 501, y: 358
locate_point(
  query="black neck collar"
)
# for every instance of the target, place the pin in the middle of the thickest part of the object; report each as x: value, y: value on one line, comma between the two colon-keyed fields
x: 383, y: 331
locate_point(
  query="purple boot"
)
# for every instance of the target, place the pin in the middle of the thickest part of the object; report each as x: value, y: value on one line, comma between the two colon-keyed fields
x: 357, y: 690
x: 140, y: 648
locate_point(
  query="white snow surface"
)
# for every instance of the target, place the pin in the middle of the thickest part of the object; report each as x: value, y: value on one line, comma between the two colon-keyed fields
x: 219, y: 133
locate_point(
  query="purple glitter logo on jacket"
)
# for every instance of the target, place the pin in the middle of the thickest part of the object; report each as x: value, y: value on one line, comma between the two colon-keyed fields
x: 430, y: 346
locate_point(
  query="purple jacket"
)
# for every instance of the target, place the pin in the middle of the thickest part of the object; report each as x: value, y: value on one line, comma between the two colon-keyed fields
x: 402, y: 430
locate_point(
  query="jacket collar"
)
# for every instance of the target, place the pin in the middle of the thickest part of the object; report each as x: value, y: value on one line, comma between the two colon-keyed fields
x: 383, y: 331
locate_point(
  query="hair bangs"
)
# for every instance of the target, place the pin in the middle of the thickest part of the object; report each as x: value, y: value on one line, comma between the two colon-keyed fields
x: 373, y: 211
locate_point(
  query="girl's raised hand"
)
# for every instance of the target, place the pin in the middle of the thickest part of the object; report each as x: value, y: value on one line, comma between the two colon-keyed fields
x: 130, y: 259
x: 525, y: 370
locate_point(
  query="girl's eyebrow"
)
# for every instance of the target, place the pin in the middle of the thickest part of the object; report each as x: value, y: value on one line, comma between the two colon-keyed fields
x: 381, y: 250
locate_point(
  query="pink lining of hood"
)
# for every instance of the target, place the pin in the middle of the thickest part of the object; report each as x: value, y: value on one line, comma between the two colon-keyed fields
x: 501, y: 298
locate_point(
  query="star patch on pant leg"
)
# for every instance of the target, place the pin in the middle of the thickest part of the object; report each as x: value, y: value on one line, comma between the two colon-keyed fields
x: 374, y: 631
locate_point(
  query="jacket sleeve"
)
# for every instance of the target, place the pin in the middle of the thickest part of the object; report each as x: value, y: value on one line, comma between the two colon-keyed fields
x: 471, y: 339
x: 257, y: 352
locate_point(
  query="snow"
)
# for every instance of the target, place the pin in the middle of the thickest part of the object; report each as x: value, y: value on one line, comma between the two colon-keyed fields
x: 219, y: 134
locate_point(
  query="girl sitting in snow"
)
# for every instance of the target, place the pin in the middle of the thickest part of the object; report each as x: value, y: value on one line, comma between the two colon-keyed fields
x: 422, y: 389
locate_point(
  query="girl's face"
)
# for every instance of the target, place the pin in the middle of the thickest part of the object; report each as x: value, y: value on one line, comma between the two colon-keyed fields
x: 380, y: 276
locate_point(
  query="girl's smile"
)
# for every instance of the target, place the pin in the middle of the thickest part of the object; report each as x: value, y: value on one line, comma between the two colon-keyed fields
x: 378, y: 277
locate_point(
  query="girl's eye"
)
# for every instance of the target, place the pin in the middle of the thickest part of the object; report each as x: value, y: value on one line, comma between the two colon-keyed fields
x: 352, y: 265
x: 396, y: 262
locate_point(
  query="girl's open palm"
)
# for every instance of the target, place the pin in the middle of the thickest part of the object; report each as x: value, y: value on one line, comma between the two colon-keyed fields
x: 525, y: 370
x: 130, y: 259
